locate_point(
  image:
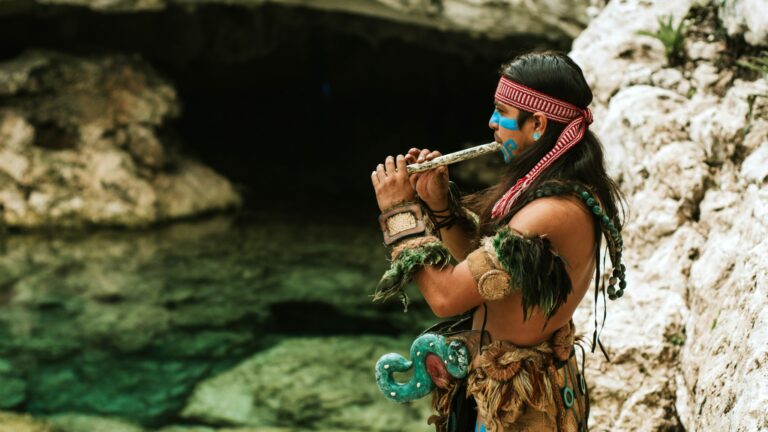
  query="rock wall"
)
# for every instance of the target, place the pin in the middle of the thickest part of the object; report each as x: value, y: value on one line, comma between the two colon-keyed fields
x: 487, y: 18
x: 689, y: 146
x: 83, y: 142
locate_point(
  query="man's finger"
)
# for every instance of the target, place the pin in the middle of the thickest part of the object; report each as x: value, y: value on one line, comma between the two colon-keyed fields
x: 380, y: 172
x: 389, y: 163
x: 422, y: 155
x: 433, y: 155
x: 401, y: 165
x: 414, y: 178
x: 375, y: 179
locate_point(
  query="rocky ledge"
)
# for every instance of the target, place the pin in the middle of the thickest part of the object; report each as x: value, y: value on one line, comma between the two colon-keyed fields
x: 83, y: 141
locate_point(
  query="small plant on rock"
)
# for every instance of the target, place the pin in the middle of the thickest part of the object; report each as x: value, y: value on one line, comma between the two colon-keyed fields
x: 758, y: 64
x: 673, y: 38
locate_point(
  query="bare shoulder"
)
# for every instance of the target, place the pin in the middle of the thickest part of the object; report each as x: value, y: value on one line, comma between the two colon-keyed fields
x: 561, y: 218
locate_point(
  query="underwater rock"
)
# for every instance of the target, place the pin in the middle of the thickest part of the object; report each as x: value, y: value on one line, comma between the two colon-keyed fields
x: 80, y: 144
x: 87, y: 423
x: 127, y: 322
x: 12, y: 422
x: 318, y: 383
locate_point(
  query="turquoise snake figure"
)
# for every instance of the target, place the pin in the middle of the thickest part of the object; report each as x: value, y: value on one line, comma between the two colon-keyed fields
x: 506, y: 266
x: 453, y: 355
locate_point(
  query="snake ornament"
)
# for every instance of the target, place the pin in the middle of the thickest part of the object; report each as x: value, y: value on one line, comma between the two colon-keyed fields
x: 435, y: 361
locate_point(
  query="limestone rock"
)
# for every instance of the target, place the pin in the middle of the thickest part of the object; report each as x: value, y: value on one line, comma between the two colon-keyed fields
x: 321, y: 383
x: 688, y: 338
x: 550, y: 19
x: 79, y: 146
x: 610, y: 52
x: 755, y: 167
x: 746, y: 17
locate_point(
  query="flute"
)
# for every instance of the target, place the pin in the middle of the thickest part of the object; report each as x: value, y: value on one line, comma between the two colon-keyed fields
x: 454, y: 157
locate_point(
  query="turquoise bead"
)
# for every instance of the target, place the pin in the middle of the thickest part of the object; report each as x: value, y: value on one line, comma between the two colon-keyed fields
x: 591, y: 202
x: 619, y: 293
x: 611, y: 290
x: 606, y: 219
x: 597, y: 210
x: 584, y: 195
x: 612, y: 297
x: 567, y: 397
x: 623, y: 284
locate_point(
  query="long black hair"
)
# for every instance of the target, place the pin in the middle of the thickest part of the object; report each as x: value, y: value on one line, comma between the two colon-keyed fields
x: 557, y: 75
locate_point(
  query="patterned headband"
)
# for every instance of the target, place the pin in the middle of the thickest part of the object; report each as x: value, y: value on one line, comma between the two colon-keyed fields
x: 528, y: 99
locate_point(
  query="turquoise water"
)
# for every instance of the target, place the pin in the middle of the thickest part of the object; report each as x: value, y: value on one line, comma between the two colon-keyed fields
x: 127, y: 323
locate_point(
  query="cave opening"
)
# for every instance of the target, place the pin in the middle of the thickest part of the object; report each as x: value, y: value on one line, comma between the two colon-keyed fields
x: 295, y: 106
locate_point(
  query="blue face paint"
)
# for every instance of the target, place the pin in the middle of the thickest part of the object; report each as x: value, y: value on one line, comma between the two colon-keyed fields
x: 507, y: 148
x: 506, y: 123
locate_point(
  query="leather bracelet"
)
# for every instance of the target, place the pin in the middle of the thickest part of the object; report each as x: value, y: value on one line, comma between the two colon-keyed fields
x: 401, y: 221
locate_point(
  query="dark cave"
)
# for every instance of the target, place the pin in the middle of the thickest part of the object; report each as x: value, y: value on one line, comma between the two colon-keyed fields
x: 295, y: 106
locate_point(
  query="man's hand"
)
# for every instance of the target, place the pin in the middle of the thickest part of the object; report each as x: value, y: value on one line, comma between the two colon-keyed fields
x: 432, y: 185
x: 390, y: 181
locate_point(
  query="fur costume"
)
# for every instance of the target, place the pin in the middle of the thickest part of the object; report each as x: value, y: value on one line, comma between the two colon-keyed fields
x: 515, y: 388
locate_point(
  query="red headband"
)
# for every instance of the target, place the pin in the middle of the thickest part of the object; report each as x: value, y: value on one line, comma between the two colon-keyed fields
x: 528, y: 99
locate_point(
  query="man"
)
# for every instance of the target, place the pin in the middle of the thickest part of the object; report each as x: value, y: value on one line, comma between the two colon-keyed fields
x: 528, y: 261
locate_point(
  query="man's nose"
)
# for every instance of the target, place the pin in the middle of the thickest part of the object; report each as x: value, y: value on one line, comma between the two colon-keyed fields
x: 493, y: 123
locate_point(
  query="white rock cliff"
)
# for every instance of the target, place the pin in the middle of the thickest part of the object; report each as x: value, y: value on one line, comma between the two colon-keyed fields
x: 690, y: 339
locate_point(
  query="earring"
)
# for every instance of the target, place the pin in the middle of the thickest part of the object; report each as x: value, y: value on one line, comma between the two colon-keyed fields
x: 536, y: 136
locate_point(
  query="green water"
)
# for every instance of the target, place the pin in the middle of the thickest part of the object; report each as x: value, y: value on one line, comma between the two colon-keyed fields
x: 127, y: 323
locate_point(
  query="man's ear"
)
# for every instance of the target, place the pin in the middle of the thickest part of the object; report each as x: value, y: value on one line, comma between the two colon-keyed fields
x: 539, y: 122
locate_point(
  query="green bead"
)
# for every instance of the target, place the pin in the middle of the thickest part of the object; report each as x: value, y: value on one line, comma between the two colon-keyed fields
x: 606, y: 219
x: 619, y: 293
x: 591, y: 202
x: 584, y: 195
x: 622, y: 268
x: 616, y: 273
x: 613, y: 280
x: 612, y: 297
x: 623, y: 284
x: 611, y: 290
x: 597, y: 210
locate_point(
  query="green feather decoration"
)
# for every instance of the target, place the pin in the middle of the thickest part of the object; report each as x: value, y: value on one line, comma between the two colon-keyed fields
x: 535, y: 270
x: 405, y: 266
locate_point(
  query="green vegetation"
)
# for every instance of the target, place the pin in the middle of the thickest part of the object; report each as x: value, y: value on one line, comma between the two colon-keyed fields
x: 673, y: 38
x: 758, y: 64
x: 677, y: 339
